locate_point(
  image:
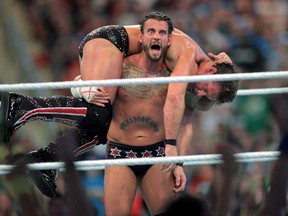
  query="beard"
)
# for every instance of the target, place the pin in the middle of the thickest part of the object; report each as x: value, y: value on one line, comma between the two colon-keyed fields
x: 154, y: 58
x: 197, y: 102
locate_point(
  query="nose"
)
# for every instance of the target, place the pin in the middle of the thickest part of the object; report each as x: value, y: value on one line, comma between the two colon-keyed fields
x: 156, y: 39
x: 156, y: 36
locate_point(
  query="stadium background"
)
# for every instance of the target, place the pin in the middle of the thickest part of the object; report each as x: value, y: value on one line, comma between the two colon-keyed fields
x: 39, y: 43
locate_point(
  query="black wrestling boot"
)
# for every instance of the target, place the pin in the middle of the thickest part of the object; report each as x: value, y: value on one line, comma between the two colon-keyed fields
x: 8, y: 104
x: 44, y: 179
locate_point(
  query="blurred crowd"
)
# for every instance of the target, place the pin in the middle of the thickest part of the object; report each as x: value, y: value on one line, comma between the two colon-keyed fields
x: 253, y: 32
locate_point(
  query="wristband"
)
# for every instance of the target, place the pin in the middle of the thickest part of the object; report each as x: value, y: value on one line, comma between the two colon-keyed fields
x: 179, y: 164
x: 76, y: 91
x: 170, y: 141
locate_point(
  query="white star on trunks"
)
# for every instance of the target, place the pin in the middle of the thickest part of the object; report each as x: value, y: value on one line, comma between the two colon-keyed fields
x: 160, y: 151
x: 131, y: 154
x: 115, y: 152
x: 147, y: 154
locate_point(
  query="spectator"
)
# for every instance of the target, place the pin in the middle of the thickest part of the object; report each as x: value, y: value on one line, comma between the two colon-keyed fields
x: 276, y: 198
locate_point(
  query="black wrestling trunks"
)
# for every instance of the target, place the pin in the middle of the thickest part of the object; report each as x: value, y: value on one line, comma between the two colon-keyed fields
x: 116, y: 150
x: 116, y: 34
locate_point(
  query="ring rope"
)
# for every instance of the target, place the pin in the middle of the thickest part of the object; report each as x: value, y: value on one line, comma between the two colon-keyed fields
x: 262, y: 91
x: 189, y: 160
x: 138, y: 81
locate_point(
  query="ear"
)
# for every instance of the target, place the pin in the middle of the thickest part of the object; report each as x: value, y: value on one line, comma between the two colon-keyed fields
x: 140, y: 37
x: 212, y: 70
x: 169, y: 40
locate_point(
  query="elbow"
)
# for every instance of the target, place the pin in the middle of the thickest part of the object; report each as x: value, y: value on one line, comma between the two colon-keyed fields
x: 174, y: 104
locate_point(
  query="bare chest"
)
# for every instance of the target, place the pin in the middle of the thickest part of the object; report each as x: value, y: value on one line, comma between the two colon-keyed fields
x: 156, y: 92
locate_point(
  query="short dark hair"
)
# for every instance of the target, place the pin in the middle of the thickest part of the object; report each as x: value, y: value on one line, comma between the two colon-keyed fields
x: 228, y: 88
x: 157, y: 16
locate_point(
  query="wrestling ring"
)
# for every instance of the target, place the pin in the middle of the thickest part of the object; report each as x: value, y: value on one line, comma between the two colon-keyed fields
x: 187, y: 160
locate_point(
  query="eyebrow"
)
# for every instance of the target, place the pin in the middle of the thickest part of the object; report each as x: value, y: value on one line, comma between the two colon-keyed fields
x: 150, y: 29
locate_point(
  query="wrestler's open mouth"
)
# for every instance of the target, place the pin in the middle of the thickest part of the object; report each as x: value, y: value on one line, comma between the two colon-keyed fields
x: 155, y: 47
